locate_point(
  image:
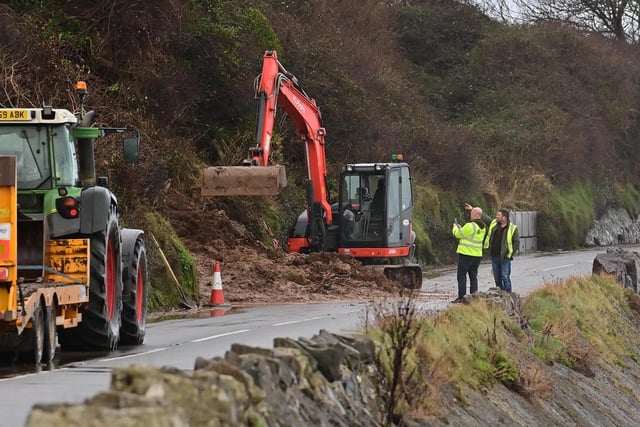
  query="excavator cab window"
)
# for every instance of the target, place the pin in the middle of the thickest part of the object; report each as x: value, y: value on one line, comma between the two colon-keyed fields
x: 363, y: 207
x: 393, y: 207
x: 376, y: 207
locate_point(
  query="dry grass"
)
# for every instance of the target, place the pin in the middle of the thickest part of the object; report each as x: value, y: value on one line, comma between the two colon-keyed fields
x: 585, y: 317
x: 535, y: 381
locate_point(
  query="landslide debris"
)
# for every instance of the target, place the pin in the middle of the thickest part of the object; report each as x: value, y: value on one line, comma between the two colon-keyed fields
x: 254, y: 273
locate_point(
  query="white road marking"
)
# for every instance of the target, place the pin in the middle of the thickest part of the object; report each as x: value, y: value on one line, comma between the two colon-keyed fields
x: 212, y: 337
x: 298, y: 321
x: 132, y: 355
x: 560, y: 266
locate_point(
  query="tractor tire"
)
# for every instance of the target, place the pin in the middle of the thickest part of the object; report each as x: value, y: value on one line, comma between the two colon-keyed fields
x: 134, y: 307
x: 50, y: 334
x: 100, y: 325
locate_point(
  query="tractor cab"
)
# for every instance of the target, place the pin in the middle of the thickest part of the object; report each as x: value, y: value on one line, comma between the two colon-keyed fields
x: 42, y: 145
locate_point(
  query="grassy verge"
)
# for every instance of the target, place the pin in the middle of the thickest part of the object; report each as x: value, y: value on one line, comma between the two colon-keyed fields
x: 499, y: 339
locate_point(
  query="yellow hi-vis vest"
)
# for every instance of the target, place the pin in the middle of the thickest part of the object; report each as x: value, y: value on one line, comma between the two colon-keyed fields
x: 470, y: 238
x: 512, y: 229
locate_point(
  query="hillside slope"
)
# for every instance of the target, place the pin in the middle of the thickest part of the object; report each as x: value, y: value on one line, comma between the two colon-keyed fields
x: 527, y: 117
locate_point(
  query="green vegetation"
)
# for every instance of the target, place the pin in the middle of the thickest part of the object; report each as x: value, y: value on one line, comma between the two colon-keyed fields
x: 474, y: 343
x: 163, y: 292
x: 427, y: 221
x: 572, y: 213
x: 630, y: 198
x: 259, y: 25
x: 578, y: 323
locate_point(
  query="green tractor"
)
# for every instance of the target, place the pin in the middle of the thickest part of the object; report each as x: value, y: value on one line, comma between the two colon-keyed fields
x: 80, y: 279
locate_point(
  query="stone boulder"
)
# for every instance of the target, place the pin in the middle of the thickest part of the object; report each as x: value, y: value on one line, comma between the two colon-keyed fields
x: 620, y: 263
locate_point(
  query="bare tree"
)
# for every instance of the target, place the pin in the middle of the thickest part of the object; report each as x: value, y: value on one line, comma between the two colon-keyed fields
x: 503, y: 10
x: 617, y: 19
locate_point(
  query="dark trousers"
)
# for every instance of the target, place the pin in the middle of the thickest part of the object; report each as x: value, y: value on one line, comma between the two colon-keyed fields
x: 502, y: 272
x: 467, y: 265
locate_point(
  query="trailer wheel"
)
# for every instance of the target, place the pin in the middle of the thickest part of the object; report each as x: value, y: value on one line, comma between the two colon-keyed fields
x: 50, y: 334
x: 134, y: 308
x: 34, y: 338
x: 100, y: 325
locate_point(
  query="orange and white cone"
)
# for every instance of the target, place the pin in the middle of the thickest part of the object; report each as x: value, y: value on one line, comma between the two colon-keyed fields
x: 217, y: 295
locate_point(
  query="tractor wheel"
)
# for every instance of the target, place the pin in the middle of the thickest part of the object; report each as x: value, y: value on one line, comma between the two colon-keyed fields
x: 134, y: 308
x: 100, y: 325
x: 50, y: 334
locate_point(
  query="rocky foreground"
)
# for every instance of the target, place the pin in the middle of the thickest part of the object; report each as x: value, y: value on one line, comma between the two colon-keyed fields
x: 323, y: 381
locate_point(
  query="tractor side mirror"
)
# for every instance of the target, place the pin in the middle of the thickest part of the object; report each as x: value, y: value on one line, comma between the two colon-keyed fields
x: 131, y: 148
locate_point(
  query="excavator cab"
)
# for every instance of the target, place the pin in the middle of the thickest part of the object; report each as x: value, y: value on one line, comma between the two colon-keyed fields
x: 374, y: 218
x: 375, y: 208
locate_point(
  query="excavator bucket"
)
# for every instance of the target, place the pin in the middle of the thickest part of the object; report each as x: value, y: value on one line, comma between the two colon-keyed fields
x: 409, y: 276
x: 243, y: 180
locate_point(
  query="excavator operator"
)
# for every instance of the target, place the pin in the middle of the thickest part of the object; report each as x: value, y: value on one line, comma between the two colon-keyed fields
x: 377, y: 208
x: 377, y: 204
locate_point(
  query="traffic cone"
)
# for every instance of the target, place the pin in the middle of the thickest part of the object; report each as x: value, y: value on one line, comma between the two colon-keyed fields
x: 217, y: 296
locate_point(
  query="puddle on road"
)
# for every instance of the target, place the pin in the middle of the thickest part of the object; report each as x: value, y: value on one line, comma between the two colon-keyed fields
x: 11, y: 366
x: 437, y: 272
x: 199, y: 313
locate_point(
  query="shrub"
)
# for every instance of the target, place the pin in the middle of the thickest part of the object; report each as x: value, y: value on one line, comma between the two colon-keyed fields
x: 572, y: 214
x: 162, y: 292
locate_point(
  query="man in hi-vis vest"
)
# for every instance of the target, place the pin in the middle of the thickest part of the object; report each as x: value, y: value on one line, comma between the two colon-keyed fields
x: 503, y: 241
x: 470, y: 240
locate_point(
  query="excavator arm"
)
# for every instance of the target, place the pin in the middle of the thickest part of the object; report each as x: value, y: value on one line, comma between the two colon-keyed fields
x: 275, y: 86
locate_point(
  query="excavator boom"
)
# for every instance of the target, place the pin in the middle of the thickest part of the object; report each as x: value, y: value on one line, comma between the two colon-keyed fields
x: 274, y: 87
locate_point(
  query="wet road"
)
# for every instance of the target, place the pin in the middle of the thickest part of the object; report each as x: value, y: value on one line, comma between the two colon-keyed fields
x: 528, y: 272
x: 76, y: 376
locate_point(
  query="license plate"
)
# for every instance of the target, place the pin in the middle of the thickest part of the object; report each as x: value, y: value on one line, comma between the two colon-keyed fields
x: 14, y: 115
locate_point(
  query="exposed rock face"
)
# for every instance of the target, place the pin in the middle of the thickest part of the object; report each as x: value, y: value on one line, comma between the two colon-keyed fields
x: 615, y: 227
x: 325, y: 381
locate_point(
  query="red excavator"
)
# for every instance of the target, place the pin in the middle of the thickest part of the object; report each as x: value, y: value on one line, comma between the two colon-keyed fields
x: 372, y: 220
